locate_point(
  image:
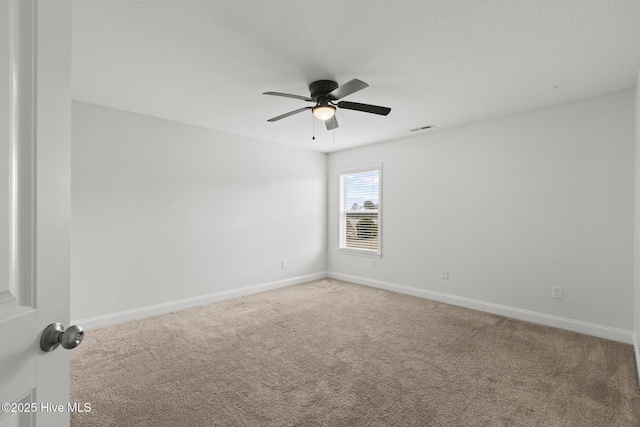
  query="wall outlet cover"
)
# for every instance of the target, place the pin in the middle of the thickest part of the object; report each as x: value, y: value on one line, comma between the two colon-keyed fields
x: 556, y: 292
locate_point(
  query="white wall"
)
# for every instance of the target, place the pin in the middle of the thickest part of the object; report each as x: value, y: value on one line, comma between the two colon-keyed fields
x: 637, y: 228
x: 163, y: 211
x: 511, y: 206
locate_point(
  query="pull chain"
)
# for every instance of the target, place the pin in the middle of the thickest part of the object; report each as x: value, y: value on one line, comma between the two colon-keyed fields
x: 313, y: 124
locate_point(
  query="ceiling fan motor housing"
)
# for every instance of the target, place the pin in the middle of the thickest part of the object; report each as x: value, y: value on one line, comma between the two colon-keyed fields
x: 319, y: 90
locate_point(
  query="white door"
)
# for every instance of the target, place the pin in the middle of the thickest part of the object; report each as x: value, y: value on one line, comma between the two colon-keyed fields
x: 35, y: 134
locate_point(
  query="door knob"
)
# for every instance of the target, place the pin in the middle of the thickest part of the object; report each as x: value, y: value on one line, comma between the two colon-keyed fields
x: 55, y: 335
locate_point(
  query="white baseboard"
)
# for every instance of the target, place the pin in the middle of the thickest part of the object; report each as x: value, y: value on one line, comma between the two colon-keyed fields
x: 169, y: 307
x: 636, y: 343
x: 601, y: 331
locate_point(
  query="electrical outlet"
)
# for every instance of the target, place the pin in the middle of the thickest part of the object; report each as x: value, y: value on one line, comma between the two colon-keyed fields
x: 556, y: 292
x: 283, y: 265
x: 444, y: 274
x: 372, y: 264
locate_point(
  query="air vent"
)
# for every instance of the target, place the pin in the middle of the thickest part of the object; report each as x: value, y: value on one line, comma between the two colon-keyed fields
x: 422, y: 128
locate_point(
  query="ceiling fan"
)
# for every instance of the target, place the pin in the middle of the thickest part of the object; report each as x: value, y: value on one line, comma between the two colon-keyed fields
x: 323, y: 94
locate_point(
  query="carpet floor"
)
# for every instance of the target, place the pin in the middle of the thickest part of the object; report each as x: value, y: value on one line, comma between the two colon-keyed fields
x: 330, y: 353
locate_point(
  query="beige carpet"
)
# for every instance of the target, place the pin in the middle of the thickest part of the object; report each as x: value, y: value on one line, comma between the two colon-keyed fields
x: 330, y: 353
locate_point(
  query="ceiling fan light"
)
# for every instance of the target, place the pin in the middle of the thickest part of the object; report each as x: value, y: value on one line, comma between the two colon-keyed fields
x: 324, y: 112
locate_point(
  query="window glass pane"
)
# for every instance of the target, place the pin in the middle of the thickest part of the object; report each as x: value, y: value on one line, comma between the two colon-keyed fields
x: 359, y: 215
x: 363, y: 190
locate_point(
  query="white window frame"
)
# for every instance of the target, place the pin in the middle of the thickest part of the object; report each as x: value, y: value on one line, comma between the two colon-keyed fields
x: 342, y: 233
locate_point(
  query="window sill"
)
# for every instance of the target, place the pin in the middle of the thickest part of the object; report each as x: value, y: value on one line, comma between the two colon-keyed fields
x: 360, y: 252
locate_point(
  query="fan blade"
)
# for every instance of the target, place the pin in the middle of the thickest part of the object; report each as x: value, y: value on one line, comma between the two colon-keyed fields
x: 290, y: 113
x: 288, y: 95
x: 347, y: 89
x: 331, y: 123
x: 383, y: 111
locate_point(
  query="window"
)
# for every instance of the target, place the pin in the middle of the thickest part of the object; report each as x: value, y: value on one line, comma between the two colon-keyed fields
x: 360, y: 211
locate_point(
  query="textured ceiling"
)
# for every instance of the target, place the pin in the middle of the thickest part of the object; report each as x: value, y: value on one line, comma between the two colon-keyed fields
x: 439, y: 62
